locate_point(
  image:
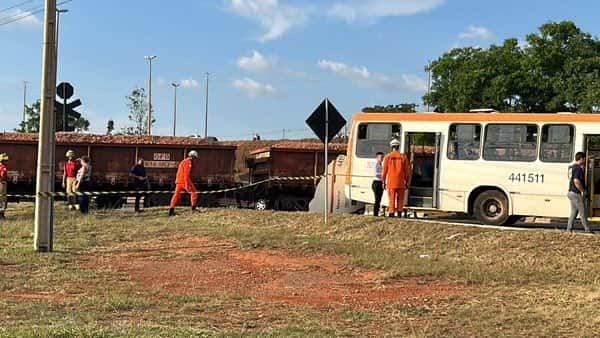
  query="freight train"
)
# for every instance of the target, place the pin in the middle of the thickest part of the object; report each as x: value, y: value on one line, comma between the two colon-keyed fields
x: 288, y: 159
x: 112, y: 157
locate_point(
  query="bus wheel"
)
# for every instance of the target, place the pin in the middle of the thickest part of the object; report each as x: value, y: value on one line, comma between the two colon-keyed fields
x: 491, y: 208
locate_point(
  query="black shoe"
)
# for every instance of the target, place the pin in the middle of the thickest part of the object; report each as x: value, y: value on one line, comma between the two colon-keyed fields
x: 2, y: 216
x: 392, y: 215
x: 589, y: 231
x: 172, y: 212
x: 139, y: 211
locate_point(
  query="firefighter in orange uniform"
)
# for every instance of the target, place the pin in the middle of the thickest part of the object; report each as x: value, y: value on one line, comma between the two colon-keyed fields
x: 184, y: 182
x: 3, y: 184
x: 396, y: 174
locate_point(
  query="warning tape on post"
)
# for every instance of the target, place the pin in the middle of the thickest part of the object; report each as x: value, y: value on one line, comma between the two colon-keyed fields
x: 160, y: 192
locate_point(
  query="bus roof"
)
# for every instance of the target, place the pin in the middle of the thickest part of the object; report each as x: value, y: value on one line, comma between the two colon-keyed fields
x: 479, y: 117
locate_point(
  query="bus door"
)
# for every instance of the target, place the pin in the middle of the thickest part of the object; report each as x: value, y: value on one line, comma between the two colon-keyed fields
x: 592, y: 150
x: 423, y: 151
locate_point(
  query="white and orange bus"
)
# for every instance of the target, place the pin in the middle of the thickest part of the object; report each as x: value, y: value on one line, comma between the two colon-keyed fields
x: 495, y: 166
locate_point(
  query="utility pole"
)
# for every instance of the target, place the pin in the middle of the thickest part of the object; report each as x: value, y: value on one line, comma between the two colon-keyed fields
x: 24, y: 101
x: 150, y: 58
x: 45, y: 160
x: 428, y: 81
x: 175, y: 85
x: 206, y: 109
x: 64, y: 112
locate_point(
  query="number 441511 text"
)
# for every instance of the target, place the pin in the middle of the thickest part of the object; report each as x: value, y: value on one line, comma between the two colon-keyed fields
x: 526, y: 178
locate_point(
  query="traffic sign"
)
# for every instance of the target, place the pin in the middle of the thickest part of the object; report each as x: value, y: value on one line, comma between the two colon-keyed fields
x: 326, y: 121
x: 64, y: 90
x: 65, y: 112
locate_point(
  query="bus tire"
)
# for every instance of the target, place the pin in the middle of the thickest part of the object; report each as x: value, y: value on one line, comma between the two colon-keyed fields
x: 491, y: 208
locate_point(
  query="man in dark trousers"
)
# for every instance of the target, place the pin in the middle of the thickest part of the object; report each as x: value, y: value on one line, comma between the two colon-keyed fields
x: 577, y: 192
x: 377, y: 185
x: 138, y: 172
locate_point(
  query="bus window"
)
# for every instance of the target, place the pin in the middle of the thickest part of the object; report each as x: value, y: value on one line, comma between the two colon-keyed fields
x: 464, y: 142
x: 510, y: 142
x: 557, y: 143
x: 375, y: 137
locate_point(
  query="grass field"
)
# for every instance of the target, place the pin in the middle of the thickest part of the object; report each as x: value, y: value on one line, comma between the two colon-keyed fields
x: 245, y: 273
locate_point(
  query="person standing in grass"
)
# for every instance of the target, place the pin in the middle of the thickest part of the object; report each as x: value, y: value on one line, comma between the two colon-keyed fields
x: 84, y: 182
x: 183, y: 182
x: 577, y: 192
x: 377, y: 185
x: 3, y: 184
x: 70, y: 177
x: 138, y: 172
x: 396, y: 173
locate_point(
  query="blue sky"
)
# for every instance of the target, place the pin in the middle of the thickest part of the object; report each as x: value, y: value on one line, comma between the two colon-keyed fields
x: 272, y: 61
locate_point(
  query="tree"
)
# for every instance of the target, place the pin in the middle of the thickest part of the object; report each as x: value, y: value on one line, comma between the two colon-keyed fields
x: 557, y: 70
x: 110, y: 127
x: 398, y: 108
x: 138, y: 112
x: 32, y: 121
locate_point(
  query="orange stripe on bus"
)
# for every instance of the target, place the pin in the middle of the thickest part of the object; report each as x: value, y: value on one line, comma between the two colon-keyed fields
x: 477, y: 117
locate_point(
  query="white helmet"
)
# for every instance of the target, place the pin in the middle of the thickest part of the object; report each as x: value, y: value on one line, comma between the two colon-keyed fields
x: 70, y: 153
x: 394, y: 143
x: 193, y: 154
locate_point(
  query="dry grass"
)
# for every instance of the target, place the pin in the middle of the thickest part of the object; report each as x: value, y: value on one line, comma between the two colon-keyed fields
x: 519, y: 283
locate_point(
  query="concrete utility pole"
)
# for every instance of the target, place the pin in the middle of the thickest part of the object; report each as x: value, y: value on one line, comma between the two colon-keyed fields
x: 45, y: 160
x: 24, y: 100
x: 206, y: 109
x: 64, y: 112
x: 175, y: 86
x: 150, y: 58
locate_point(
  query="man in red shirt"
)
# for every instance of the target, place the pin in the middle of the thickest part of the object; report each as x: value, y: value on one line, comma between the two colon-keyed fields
x: 3, y: 184
x: 184, y: 182
x: 69, y: 178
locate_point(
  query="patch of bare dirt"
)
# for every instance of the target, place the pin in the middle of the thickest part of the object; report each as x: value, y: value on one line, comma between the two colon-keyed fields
x: 203, y: 266
x: 32, y: 295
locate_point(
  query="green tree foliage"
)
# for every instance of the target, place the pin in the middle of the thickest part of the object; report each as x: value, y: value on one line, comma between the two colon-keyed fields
x: 32, y: 121
x: 558, y: 69
x: 137, y: 103
x: 398, y: 108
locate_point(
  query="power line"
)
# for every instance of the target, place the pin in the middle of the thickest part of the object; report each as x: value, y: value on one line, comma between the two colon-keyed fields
x: 15, y: 6
x: 26, y: 14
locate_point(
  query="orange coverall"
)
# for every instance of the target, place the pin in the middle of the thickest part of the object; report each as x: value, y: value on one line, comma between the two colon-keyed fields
x: 396, y: 174
x: 184, y: 182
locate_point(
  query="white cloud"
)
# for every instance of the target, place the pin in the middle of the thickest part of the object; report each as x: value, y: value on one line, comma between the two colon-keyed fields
x: 363, y: 77
x: 255, y: 62
x: 275, y: 18
x: 26, y: 20
x: 369, y: 10
x: 414, y: 82
x: 189, y: 83
x: 254, y: 89
x: 476, y: 33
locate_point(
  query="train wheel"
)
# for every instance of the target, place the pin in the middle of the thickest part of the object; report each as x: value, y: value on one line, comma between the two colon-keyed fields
x: 491, y: 207
x: 261, y: 204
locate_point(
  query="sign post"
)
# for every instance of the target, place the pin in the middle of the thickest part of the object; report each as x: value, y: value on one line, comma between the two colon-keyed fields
x: 326, y: 162
x: 326, y: 122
